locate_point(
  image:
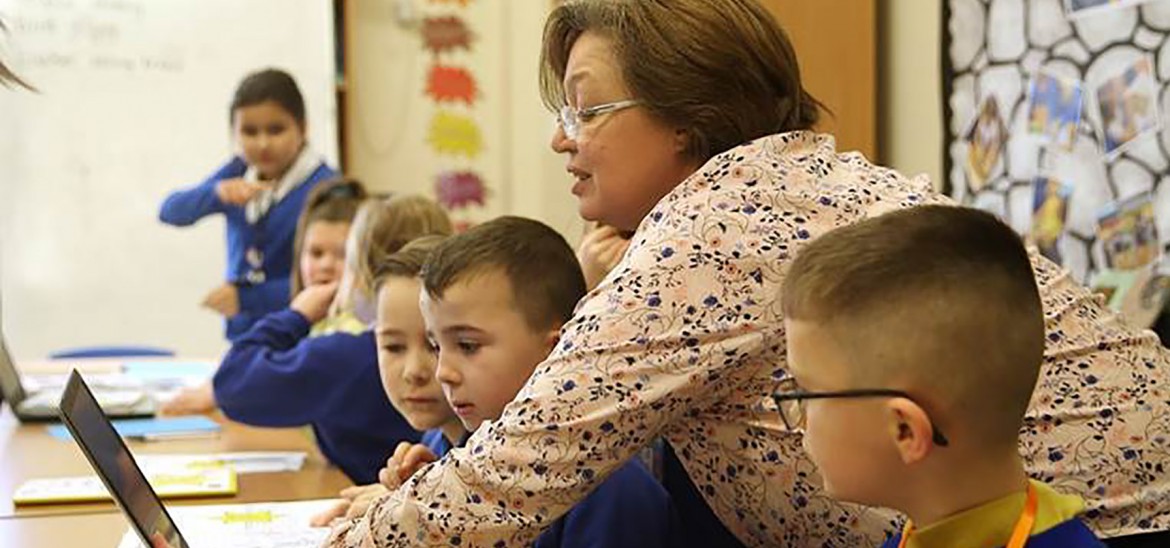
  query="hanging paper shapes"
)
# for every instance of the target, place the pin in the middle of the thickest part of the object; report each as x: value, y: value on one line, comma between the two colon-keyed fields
x: 451, y: 84
x: 441, y: 34
x: 455, y: 134
x: 459, y: 189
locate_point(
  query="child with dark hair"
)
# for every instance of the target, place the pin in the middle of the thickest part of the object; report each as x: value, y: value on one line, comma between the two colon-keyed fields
x: 261, y: 192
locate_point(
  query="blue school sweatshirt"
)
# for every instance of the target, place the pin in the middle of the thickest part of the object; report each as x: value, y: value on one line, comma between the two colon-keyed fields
x: 273, y: 236
x: 276, y: 377
x: 629, y: 509
x: 436, y: 442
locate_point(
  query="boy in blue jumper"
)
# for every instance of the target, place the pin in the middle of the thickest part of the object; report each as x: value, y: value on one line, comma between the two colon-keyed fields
x: 915, y: 340
x: 260, y: 193
x: 406, y: 363
x: 494, y: 299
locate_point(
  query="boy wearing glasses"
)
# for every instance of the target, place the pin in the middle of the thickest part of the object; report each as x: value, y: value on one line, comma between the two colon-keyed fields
x: 914, y: 341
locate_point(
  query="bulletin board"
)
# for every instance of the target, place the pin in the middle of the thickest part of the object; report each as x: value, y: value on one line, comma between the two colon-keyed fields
x: 1055, y: 115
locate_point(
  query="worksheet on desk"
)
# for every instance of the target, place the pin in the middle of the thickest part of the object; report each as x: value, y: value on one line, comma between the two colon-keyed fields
x: 259, y: 525
x: 243, y: 462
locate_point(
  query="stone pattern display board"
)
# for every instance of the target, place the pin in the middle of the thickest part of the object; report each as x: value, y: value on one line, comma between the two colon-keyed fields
x: 1055, y: 114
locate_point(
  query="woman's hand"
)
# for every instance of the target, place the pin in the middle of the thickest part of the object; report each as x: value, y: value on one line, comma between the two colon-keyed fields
x: 224, y: 300
x: 355, y: 501
x: 408, y: 458
x: 599, y: 252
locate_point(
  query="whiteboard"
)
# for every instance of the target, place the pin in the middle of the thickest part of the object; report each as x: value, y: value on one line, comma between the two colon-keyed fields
x: 133, y: 104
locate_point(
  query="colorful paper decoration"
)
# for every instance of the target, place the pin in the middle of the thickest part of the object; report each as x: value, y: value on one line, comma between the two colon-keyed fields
x: 451, y: 84
x: 442, y: 34
x: 455, y: 134
x: 459, y: 189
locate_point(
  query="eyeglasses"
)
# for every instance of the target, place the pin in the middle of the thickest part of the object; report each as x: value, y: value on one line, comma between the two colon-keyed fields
x: 790, y: 401
x: 571, y: 119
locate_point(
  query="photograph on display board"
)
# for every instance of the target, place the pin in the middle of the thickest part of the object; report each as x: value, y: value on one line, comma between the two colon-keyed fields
x: 1054, y: 109
x: 1049, y: 210
x: 1113, y: 285
x: 1127, y: 105
x: 1081, y: 8
x: 1138, y: 294
x: 1143, y: 306
x: 985, y: 142
x: 1129, y: 234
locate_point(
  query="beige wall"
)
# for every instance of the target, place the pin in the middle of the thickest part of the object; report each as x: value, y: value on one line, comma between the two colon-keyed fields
x: 910, y: 107
x: 390, y: 112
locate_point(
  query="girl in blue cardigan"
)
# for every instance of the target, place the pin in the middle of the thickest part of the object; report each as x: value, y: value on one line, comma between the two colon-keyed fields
x: 260, y: 192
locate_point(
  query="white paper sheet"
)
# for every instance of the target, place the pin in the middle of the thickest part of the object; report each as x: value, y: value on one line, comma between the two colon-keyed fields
x: 259, y: 525
x: 244, y: 462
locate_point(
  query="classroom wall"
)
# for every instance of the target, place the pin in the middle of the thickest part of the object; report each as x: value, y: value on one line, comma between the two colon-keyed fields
x: 910, y: 80
x: 391, y: 112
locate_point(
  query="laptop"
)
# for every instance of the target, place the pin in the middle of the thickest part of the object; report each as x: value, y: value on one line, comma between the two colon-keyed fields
x: 108, y: 455
x: 120, y: 399
x: 271, y: 525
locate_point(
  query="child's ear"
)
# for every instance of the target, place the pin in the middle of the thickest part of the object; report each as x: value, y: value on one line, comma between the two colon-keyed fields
x: 682, y: 140
x: 910, y: 430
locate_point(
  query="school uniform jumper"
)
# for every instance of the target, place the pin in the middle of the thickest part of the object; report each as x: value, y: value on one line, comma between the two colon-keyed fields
x: 629, y: 509
x: 272, y: 235
x: 277, y: 377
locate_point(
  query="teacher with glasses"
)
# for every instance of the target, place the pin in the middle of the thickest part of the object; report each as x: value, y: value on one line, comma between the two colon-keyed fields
x: 686, y: 122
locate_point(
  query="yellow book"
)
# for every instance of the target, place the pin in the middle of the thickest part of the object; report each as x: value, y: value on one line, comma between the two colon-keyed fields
x: 209, y: 482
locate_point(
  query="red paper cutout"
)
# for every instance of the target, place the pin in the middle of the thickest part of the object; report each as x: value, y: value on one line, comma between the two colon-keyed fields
x: 441, y: 34
x: 450, y: 84
x: 459, y: 189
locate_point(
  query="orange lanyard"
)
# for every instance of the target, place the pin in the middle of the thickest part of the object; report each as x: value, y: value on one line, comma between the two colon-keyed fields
x: 1020, y: 533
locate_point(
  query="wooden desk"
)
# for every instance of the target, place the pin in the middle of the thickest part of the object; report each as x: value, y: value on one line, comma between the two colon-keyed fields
x: 28, y: 451
x: 102, y: 530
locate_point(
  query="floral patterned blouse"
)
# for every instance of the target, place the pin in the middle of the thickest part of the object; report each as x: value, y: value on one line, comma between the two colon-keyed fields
x: 685, y: 340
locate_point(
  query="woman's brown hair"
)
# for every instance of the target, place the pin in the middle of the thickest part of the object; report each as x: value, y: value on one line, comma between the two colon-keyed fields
x: 721, y: 70
x: 334, y: 201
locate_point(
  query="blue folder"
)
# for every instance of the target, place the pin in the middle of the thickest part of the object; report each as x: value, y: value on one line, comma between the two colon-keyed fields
x: 152, y: 428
